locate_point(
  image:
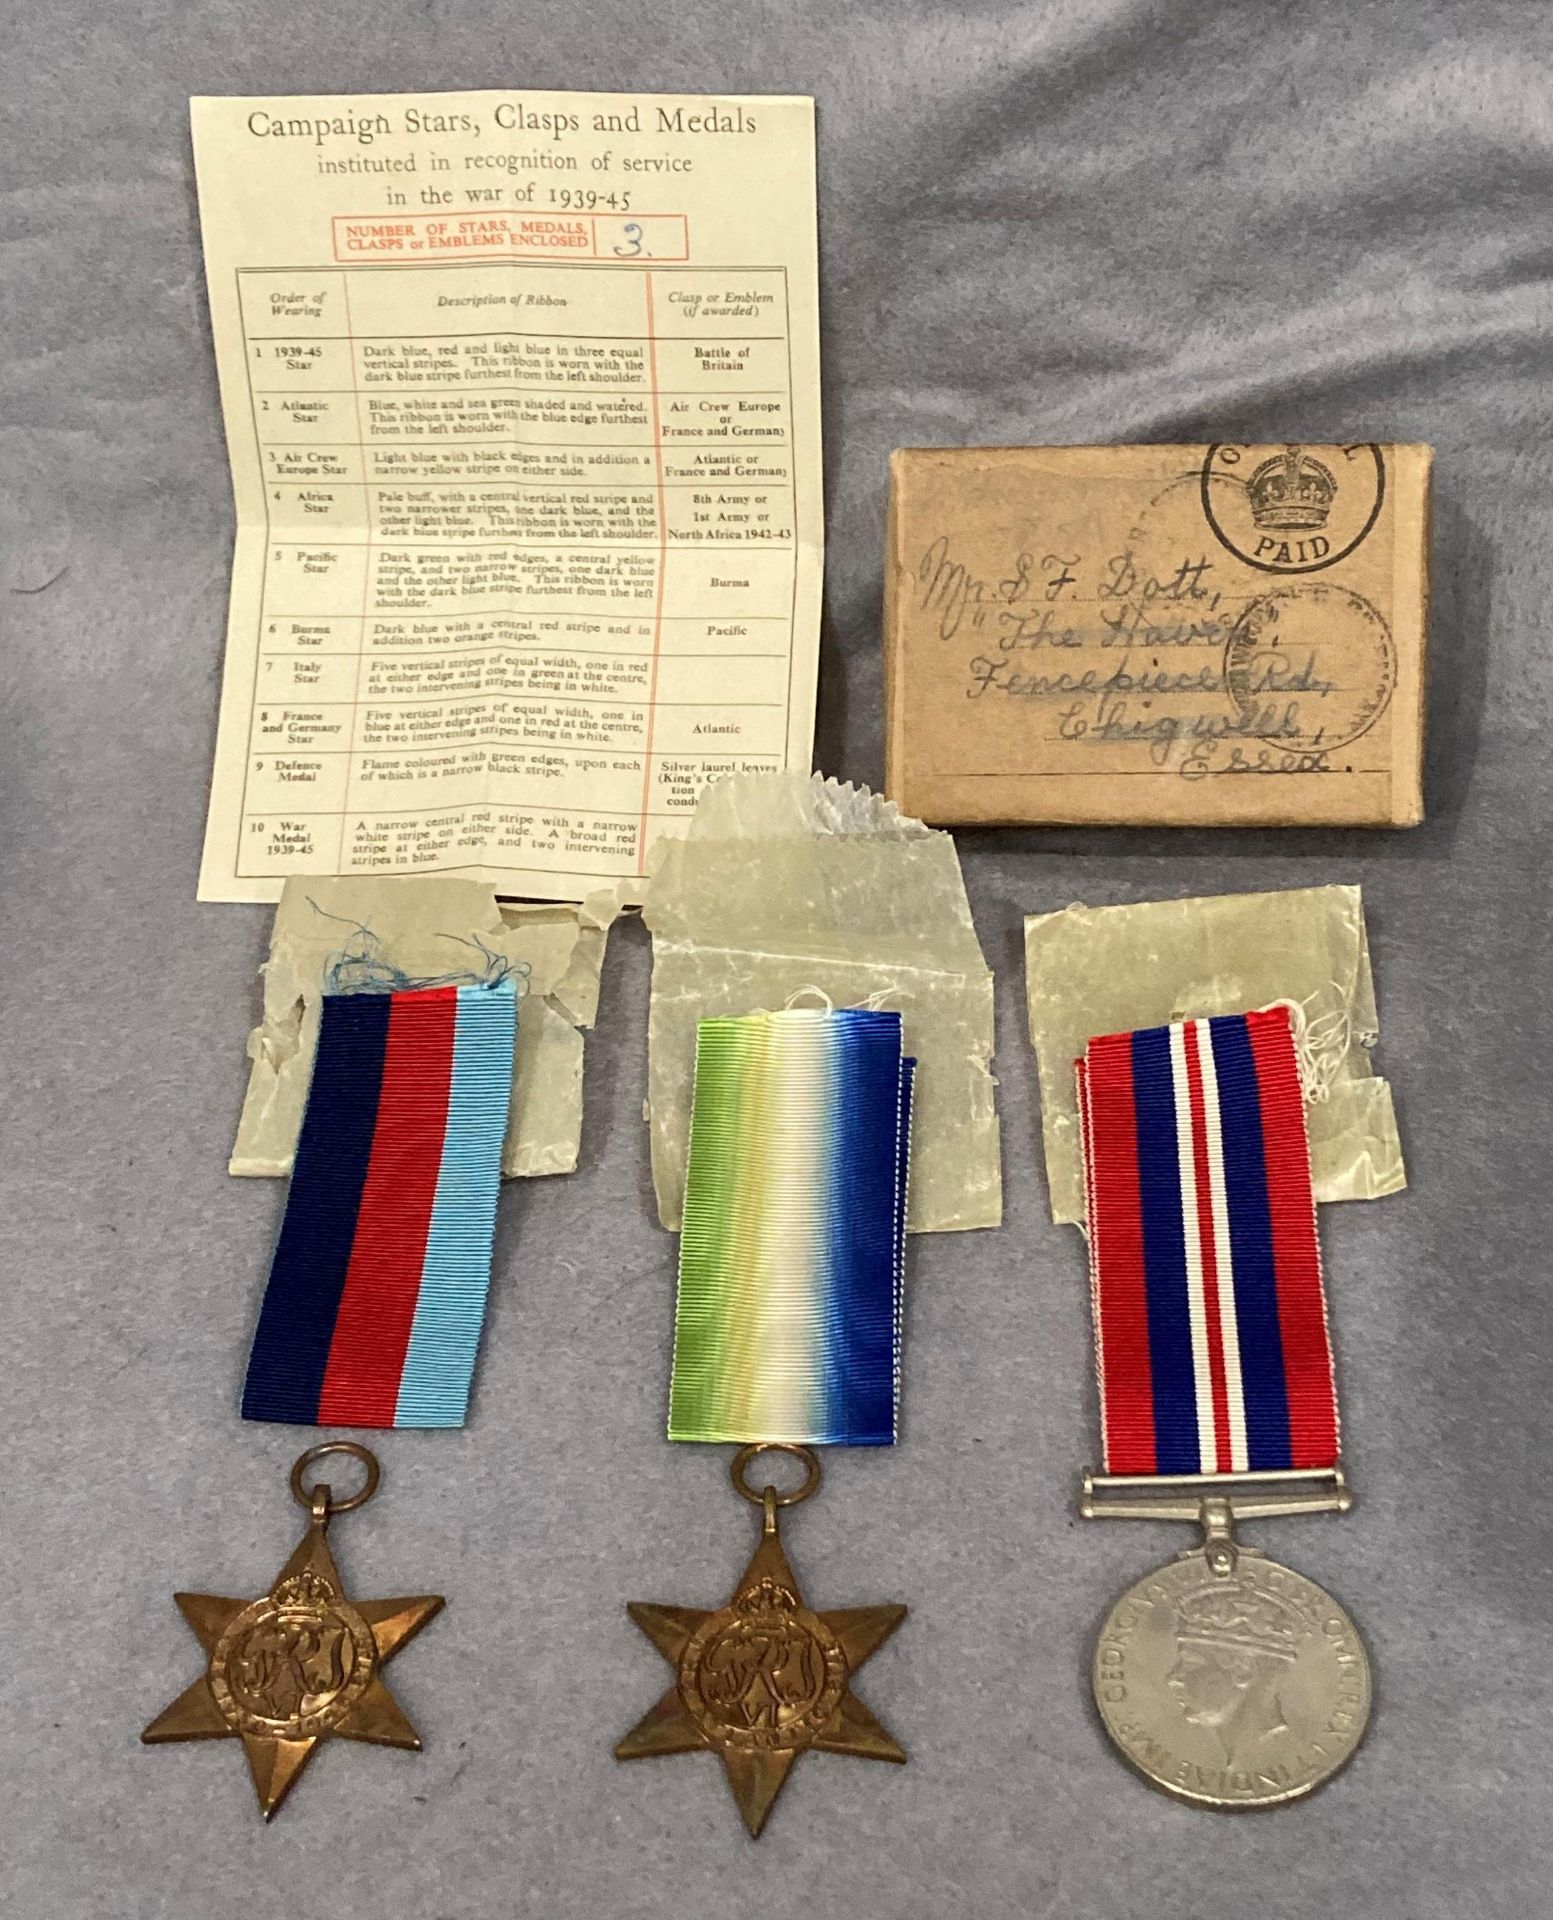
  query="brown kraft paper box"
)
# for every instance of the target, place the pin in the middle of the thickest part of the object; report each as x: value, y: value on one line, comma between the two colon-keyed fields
x: 1170, y: 635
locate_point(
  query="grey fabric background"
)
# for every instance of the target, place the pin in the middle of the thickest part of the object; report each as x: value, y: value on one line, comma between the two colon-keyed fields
x: 1110, y: 220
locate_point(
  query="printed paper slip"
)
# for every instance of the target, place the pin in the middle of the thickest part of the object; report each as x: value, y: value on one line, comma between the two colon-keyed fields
x: 522, y: 399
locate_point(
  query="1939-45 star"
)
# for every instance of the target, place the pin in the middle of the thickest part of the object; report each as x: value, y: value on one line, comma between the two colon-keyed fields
x: 298, y: 1665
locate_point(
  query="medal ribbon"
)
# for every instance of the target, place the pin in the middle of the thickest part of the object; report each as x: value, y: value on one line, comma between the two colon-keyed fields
x: 791, y: 1269
x: 1211, y: 1334
x: 377, y: 1289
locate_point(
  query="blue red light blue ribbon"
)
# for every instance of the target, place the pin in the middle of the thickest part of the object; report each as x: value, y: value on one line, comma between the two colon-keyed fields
x: 377, y: 1289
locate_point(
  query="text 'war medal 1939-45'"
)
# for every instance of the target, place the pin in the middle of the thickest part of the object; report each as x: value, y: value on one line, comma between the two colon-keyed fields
x: 1224, y: 1678
x: 303, y: 1662
x: 787, y: 1337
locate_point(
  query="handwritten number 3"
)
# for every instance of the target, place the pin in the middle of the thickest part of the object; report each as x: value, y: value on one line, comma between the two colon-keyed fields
x: 634, y: 235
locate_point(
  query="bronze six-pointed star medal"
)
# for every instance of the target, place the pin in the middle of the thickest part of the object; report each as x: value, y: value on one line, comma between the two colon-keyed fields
x: 301, y: 1663
x: 762, y: 1679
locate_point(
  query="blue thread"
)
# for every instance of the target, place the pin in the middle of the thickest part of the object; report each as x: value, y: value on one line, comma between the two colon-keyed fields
x: 361, y: 965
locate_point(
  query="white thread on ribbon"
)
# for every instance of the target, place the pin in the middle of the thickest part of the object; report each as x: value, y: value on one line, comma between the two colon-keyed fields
x: 1320, y: 1047
x: 819, y: 993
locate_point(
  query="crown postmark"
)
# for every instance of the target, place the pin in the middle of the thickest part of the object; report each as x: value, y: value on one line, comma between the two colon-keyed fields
x: 1292, y: 490
x: 1292, y: 508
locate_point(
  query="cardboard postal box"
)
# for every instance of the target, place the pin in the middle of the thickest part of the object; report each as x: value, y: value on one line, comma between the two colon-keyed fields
x: 1205, y: 636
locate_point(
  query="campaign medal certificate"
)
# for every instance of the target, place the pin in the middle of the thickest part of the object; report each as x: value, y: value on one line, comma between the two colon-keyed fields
x: 521, y: 393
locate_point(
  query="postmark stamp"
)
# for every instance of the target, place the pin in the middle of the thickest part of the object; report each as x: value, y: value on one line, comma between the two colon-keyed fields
x: 1311, y: 666
x: 1292, y: 509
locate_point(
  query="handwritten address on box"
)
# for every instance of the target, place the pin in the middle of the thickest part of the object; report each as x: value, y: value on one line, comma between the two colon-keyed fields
x: 1091, y: 633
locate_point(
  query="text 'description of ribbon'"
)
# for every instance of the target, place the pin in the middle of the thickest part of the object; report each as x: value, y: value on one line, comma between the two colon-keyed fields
x: 377, y: 1289
x: 788, y: 1325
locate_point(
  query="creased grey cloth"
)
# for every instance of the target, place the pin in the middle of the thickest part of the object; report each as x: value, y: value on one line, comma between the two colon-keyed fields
x: 1187, y: 219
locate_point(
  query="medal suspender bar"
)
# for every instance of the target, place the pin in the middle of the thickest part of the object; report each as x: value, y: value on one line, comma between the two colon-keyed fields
x: 1226, y: 1679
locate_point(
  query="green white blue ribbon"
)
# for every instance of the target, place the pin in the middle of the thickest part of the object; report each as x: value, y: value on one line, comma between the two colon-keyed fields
x: 791, y: 1253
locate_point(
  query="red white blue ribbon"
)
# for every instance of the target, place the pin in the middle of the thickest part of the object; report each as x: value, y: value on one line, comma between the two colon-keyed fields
x: 1210, y: 1320
x: 377, y: 1289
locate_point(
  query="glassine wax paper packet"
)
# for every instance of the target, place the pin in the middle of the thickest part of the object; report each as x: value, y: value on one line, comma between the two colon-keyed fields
x: 1091, y: 970
x: 427, y: 928
x: 786, y: 883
